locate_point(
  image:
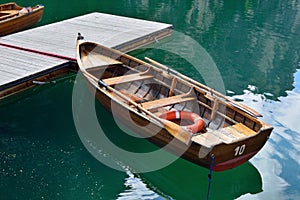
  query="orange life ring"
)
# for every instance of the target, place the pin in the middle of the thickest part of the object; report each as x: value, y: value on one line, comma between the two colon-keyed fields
x: 175, y: 114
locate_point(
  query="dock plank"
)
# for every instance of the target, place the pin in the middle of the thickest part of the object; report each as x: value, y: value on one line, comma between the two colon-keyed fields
x: 24, y: 58
x: 17, y: 64
x: 60, y: 39
x: 109, y: 30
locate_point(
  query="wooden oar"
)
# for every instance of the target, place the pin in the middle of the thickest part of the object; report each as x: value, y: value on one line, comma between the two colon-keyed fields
x: 238, y: 105
x: 174, y: 129
x: 11, y: 12
x: 8, y: 15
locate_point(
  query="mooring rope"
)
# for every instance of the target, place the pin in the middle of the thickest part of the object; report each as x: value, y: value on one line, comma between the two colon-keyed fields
x: 210, y: 175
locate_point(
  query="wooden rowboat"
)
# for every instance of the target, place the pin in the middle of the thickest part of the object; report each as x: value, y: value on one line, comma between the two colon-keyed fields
x: 14, y: 18
x: 187, y: 118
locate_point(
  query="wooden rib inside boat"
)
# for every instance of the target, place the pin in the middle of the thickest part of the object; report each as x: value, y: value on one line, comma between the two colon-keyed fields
x: 233, y: 133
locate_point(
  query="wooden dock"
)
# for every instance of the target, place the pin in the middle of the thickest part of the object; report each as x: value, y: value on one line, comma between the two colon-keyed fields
x: 46, y: 52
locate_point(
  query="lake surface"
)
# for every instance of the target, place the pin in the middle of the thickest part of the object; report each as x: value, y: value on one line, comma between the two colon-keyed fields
x: 249, y: 50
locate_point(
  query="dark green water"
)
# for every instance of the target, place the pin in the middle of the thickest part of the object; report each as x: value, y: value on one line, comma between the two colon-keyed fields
x: 255, y: 46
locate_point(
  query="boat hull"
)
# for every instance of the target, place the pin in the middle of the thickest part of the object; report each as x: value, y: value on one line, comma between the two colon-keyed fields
x: 137, y: 93
x: 21, y: 21
x: 225, y: 155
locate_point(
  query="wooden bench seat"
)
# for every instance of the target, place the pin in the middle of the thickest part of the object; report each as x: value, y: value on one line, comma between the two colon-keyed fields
x: 243, y: 129
x: 226, y: 135
x: 159, y: 103
x: 127, y: 78
x: 207, y: 140
x: 233, y: 133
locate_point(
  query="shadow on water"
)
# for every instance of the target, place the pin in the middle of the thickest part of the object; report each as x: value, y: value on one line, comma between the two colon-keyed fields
x: 183, y: 180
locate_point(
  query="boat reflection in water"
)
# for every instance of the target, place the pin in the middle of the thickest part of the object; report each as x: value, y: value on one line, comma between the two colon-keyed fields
x: 192, y: 183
